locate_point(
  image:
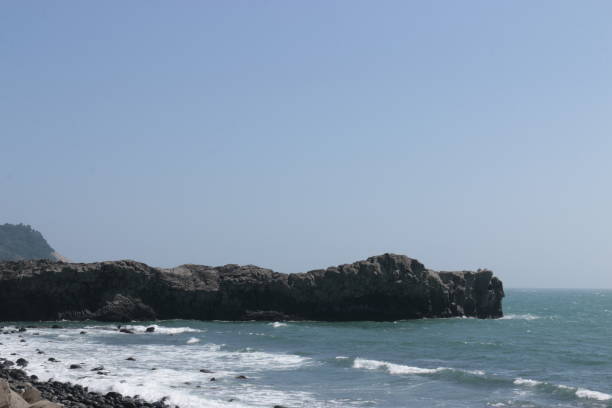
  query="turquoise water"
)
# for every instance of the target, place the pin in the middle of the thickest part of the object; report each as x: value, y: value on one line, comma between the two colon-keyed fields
x: 553, y: 349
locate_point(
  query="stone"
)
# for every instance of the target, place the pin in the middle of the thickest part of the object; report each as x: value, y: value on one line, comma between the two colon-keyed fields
x: 9, y: 398
x: 31, y: 395
x: 21, y: 362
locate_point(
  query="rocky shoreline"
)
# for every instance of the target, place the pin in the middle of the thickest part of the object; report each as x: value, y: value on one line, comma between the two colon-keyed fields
x: 20, y: 390
x: 385, y: 287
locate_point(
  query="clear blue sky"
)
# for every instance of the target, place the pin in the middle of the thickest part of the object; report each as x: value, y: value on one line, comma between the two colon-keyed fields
x: 298, y: 135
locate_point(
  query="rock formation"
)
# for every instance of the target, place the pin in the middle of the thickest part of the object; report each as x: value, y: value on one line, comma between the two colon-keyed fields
x: 384, y: 287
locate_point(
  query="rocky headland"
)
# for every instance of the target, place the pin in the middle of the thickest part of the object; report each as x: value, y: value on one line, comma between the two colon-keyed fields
x: 20, y: 242
x: 384, y: 287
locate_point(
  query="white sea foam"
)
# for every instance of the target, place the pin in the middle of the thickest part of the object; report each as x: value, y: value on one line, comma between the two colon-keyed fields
x: 400, y: 369
x: 193, y: 340
x: 278, y: 324
x: 177, y: 374
x: 393, y: 368
x: 341, y: 358
x: 596, y: 395
x: 163, y: 330
x: 526, y: 381
x: 526, y: 316
x: 580, y: 392
x: 143, y: 329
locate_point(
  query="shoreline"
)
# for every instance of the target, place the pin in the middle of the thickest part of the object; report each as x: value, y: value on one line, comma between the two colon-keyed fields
x: 34, y: 391
x: 29, y: 391
x: 63, y: 394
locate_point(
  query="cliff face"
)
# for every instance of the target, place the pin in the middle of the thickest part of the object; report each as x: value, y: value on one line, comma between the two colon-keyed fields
x: 385, y: 287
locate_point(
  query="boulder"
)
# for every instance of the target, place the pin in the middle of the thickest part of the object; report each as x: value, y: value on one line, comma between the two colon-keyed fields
x: 22, y: 362
x: 9, y: 398
x: 31, y: 395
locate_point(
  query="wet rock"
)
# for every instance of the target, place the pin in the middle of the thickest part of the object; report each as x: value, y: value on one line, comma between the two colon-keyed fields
x: 128, y: 331
x: 203, y: 370
x: 22, y: 362
x: 150, y: 329
x: 53, y: 360
x: 241, y: 377
x: 130, y: 359
x: 75, y: 366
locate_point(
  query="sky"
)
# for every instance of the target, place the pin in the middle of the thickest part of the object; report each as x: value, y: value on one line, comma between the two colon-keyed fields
x: 299, y: 135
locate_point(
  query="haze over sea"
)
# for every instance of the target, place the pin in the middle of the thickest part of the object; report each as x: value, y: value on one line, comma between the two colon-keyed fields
x: 552, y: 348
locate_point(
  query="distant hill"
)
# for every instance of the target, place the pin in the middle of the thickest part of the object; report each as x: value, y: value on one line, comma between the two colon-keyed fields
x: 21, y: 241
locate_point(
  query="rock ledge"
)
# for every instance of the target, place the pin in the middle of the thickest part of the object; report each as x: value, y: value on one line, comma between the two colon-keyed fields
x: 384, y: 287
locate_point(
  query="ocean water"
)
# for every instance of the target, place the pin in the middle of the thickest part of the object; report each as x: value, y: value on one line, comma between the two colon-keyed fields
x: 552, y: 349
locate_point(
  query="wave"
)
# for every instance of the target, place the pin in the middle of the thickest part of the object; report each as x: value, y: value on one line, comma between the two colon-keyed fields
x: 479, y: 376
x: 143, y: 329
x: 393, y: 368
x: 399, y: 369
x: 526, y: 316
x: 577, y: 391
x: 193, y: 340
x: 589, y: 394
x: 526, y: 381
x: 278, y: 324
x: 159, y: 370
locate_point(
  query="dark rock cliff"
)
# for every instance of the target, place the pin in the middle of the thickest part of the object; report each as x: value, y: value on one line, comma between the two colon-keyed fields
x: 385, y: 287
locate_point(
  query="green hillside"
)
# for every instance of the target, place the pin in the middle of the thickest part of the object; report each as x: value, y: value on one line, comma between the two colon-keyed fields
x: 23, y: 242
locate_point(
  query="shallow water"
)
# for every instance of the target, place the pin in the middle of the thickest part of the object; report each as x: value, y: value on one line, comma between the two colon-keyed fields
x: 552, y: 349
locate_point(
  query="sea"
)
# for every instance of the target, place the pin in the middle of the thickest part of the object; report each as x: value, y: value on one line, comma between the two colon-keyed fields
x: 553, y: 348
